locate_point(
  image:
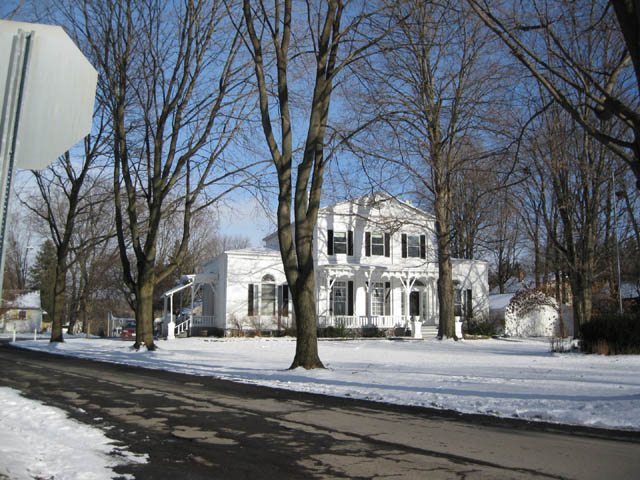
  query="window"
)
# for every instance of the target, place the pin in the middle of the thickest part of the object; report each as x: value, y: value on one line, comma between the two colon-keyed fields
x: 283, y: 300
x: 462, y: 302
x: 381, y: 298
x: 377, y: 244
x: 340, y: 242
x: 414, y: 246
x: 457, y: 302
x: 377, y: 299
x: 268, y: 298
x: 339, y: 298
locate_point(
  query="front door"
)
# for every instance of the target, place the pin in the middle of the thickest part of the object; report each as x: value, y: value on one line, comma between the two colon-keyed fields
x: 414, y: 304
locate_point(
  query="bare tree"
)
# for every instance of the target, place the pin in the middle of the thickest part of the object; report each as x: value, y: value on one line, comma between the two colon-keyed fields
x: 434, y: 83
x: 582, y: 57
x: 576, y: 169
x: 19, y: 242
x: 64, y: 191
x: 175, y: 94
x: 327, y: 39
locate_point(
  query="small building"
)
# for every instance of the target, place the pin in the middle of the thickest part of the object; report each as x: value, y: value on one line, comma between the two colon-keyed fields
x: 23, y: 314
x: 375, y: 266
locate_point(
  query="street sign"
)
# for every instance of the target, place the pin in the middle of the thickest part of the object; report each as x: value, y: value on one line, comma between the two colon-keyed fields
x: 47, y: 91
x: 57, y: 96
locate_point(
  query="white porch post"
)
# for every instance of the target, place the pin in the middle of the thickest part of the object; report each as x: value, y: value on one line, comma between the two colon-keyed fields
x: 191, y: 312
x: 171, y: 327
x: 367, y: 287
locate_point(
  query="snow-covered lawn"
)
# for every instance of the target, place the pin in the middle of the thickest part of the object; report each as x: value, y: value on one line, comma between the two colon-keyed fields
x: 509, y: 378
x: 38, y: 441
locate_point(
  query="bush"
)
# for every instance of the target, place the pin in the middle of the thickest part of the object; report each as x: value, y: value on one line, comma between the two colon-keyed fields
x: 373, y: 332
x: 611, y: 334
x: 339, y: 331
x: 485, y: 329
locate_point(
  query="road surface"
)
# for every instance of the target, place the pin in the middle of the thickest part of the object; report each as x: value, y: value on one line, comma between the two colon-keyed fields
x: 198, y: 427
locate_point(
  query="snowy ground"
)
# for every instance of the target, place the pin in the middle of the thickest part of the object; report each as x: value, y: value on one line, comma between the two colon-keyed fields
x: 38, y: 441
x: 507, y: 377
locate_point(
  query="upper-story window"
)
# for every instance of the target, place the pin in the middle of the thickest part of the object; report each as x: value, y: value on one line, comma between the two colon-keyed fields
x: 414, y: 246
x: 339, y: 242
x: 377, y: 244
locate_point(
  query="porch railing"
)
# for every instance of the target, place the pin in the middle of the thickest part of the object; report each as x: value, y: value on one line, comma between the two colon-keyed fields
x: 197, y: 321
x: 364, y: 321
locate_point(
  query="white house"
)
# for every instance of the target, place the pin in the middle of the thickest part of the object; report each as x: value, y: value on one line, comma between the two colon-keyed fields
x: 375, y: 266
x: 22, y: 314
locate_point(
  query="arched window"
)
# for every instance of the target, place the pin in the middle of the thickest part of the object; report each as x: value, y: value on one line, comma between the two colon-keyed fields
x: 268, y: 300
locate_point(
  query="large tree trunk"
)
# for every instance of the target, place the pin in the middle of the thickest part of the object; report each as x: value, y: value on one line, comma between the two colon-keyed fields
x: 446, y: 326
x: 306, y: 332
x: 144, y: 308
x: 58, y: 305
x: 581, y: 290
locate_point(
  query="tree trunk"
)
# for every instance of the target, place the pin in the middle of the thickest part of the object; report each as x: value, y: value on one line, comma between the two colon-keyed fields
x: 306, y: 331
x: 446, y: 328
x: 58, y: 305
x: 144, y: 308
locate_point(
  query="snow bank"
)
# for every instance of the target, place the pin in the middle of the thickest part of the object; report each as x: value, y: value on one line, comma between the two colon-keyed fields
x: 39, y: 441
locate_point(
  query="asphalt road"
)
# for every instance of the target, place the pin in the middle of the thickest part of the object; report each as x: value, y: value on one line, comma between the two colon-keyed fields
x: 197, y: 427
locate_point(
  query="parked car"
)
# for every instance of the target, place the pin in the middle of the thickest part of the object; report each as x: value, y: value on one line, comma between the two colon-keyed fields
x: 129, y: 330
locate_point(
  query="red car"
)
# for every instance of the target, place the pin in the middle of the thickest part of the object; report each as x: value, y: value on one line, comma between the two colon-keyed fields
x: 129, y: 330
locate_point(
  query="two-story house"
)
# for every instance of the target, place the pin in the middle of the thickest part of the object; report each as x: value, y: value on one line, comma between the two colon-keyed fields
x: 375, y: 266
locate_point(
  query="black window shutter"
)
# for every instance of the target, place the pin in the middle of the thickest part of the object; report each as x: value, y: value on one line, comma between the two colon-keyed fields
x: 367, y: 244
x: 350, y: 297
x: 387, y: 298
x: 285, y: 300
x: 250, y: 301
x: 423, y: 246
x: 350, y: 243
x: 469, y: 304
x: 404, y: 245
x: 387, y: 245
x: 329, y: 242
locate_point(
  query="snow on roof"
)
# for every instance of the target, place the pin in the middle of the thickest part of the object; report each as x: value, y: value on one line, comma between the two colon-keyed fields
x: 500, y: 301
x: 253, y: 251
x: 514, y: 285
x: 27, y: 300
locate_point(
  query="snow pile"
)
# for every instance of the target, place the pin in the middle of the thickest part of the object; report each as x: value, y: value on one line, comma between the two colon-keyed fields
x: 508, y: 378
x: 39, y: 441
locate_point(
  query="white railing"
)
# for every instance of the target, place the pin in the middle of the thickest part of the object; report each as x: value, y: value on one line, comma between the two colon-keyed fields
x: 194, y: 322
x: 363, y: 321
x: 203, y: 321
x: 183, y: 327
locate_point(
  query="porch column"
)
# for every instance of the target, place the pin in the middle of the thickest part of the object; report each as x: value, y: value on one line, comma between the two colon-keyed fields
x: 329, y: 281
x: 171, y: 327
x: 191, y: 313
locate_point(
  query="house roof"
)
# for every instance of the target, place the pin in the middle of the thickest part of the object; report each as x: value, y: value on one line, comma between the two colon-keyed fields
x: 27, y: 301
x: 368, y: 200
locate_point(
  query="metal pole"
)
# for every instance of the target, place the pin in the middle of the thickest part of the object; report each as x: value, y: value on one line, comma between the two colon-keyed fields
x: 9, y: 122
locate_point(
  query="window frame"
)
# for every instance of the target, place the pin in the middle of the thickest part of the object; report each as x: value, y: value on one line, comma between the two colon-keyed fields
x: 413, y: 248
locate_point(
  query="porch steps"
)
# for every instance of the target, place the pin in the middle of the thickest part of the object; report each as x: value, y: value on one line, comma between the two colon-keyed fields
x: 429, y: 332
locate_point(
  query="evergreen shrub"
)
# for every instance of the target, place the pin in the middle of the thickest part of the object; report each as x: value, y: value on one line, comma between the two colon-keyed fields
x: 611, y: 334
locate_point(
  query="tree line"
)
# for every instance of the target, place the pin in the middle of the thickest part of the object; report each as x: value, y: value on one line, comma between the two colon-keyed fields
x: 515, y: 124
